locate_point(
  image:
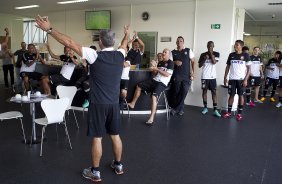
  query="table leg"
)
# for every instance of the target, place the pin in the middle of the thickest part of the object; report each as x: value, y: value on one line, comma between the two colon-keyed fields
x: 32, y: 113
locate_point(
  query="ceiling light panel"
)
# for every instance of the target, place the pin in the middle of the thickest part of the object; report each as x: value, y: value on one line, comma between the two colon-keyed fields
x: 74, y: 1
x: 26, y: 7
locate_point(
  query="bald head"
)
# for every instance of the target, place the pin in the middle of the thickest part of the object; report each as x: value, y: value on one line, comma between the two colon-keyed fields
x: 166, y: 54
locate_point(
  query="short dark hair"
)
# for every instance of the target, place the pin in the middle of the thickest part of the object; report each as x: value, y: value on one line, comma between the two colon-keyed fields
x: 31, y: 44
x: 136, y: 40
x: 256, y: 47
x: 93, y: 47
x: 278, y: 52
x: 210, y: 42
x: 107, y: 37
x: 240, y: 42
x: 245, y: 48
x: 181, y: 38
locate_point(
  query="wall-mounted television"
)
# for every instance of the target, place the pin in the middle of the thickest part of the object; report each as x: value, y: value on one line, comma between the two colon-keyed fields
x: 97, y: 20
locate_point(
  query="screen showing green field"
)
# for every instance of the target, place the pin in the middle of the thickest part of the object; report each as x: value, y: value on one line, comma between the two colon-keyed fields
x: 98, y: 19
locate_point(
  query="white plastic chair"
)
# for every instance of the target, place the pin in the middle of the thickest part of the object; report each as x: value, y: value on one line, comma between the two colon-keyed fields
x: 68, y: 92
x: 13, y: 115
x: 54, y: 110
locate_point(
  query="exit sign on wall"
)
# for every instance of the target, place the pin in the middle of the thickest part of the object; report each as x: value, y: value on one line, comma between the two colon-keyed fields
x: 215, y: 26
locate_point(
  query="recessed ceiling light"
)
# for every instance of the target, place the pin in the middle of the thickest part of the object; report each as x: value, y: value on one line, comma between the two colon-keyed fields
x: 26, y: 7
x: 69, y: 2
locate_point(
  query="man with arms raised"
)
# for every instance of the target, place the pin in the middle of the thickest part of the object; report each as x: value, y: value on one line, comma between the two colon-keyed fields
x: 103, y: 112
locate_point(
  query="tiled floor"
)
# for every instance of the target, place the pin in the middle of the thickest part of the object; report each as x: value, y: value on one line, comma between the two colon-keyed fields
x: 191, y: 149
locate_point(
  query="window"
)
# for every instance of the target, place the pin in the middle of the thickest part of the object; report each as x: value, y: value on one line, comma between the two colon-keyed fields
x: 32, y: 34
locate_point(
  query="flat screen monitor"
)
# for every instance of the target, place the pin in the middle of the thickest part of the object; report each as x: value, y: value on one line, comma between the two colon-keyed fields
x: 97, y: 20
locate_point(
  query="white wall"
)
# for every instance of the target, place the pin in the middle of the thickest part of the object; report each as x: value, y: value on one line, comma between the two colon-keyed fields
x: 212, y: 12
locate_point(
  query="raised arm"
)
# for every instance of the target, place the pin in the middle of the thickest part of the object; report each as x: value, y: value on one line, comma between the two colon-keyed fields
x: 45, y: 25
x: 7, y: 36
x: 141, y: 43
x: 51, y: 53
x: 124, y: 41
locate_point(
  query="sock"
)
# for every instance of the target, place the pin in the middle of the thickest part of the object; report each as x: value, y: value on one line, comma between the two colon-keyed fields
x: 272, y: 93
x: 94, y: 169
x: 214, y: 106
x: 205, y: 104
x: 240, y: 109
x: 248, y: 95
x: 229, y: 108
x: 264, y: 92
x: 116, y: 162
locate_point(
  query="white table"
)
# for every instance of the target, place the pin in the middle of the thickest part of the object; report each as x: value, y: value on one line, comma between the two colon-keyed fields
x: 33, y: 99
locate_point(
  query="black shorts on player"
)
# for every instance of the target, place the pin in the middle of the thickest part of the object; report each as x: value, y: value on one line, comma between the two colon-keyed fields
x: 209, y: 84
x: 152, y: 86
x: 58, y: 79
x: 254, y: 81
x: 124, y: 84
x: 31, y: 75
x: 235, y: 86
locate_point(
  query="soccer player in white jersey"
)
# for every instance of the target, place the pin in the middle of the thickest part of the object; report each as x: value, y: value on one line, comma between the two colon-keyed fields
x: 280, y: 83
x: 272, y: 76
x: 255, y: 77
x: 238, y: 64
x: 207, y: 62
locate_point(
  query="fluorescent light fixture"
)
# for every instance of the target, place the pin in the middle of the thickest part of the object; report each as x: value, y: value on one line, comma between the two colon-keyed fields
x: 26, y: 7
x: 247, y: 34
x: 69, y: 2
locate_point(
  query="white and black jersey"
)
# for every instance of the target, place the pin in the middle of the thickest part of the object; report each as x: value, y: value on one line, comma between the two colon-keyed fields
x: 209, y: 68
x: 272, y: 70
x: 238, y: 65
x: 280, y: 70
x: 28, y: 58
x: 167, y: 66
x: 68, y: 66
x: 256, y: 65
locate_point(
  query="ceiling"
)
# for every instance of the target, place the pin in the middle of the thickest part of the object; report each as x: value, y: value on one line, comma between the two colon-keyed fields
x: 257, y: 11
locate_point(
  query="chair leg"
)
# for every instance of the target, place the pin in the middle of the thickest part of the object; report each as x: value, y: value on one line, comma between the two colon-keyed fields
x: 23, y: 130
x: 75, y: 119
x: 167, y: 107
x: 128, y: 110
x: 31, y: 136
x: 42, y: 134
x: 67, y: 133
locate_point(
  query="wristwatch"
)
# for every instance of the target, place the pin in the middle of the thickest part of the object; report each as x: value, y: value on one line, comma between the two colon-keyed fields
x: 49, y: 31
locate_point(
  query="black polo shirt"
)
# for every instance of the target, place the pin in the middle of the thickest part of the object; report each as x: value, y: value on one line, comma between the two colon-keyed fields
x: 134, y: 56
x: 182, y: 72
x: 20, y: 54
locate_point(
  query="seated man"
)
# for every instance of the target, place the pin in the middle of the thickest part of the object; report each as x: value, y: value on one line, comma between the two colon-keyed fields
x: 155, y: 85
x: 83, y: 81
x: 69, y: 63
x: 27, y: 70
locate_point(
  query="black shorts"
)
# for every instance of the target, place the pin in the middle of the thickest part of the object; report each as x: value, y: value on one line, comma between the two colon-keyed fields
x: 235, y: 86
x: 209, y: 84
x: 280, y: 82
x: 254, y: 81
x: 124, y: 84
x: 271, y: 82
x: 58, y: 79
x: 103, y: 118
x: 152, y: 86
x: 31, y: 75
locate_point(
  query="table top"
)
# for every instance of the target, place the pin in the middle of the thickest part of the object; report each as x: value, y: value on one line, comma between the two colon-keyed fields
x: 33, y: 99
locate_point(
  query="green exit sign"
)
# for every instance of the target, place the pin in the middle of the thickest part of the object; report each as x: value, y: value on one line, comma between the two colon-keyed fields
x: 215, y: 26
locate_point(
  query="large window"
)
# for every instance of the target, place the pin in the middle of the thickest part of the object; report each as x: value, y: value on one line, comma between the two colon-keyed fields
x: 32, y: 34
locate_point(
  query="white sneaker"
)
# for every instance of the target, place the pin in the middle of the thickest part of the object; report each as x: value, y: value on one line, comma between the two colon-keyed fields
x: 279, y: 105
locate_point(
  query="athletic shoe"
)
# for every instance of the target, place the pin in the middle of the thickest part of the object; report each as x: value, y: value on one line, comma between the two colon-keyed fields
x: 205, y: 111
x: 279, y: 105
x: 272, y: 99
x: 118, y: 168
x: 85, y: 104
x: 239, y: 117
x: 216, y: 113
x: 94, y: 176
x: 262, y: 99
x: 226, y: 115
x: 172, y: 112
x: 251, y: 104
x: 258, y: 101
x: 180, y: 113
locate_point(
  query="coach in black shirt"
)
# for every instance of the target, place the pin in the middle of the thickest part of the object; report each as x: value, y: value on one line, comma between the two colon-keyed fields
x: 103, y: 114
